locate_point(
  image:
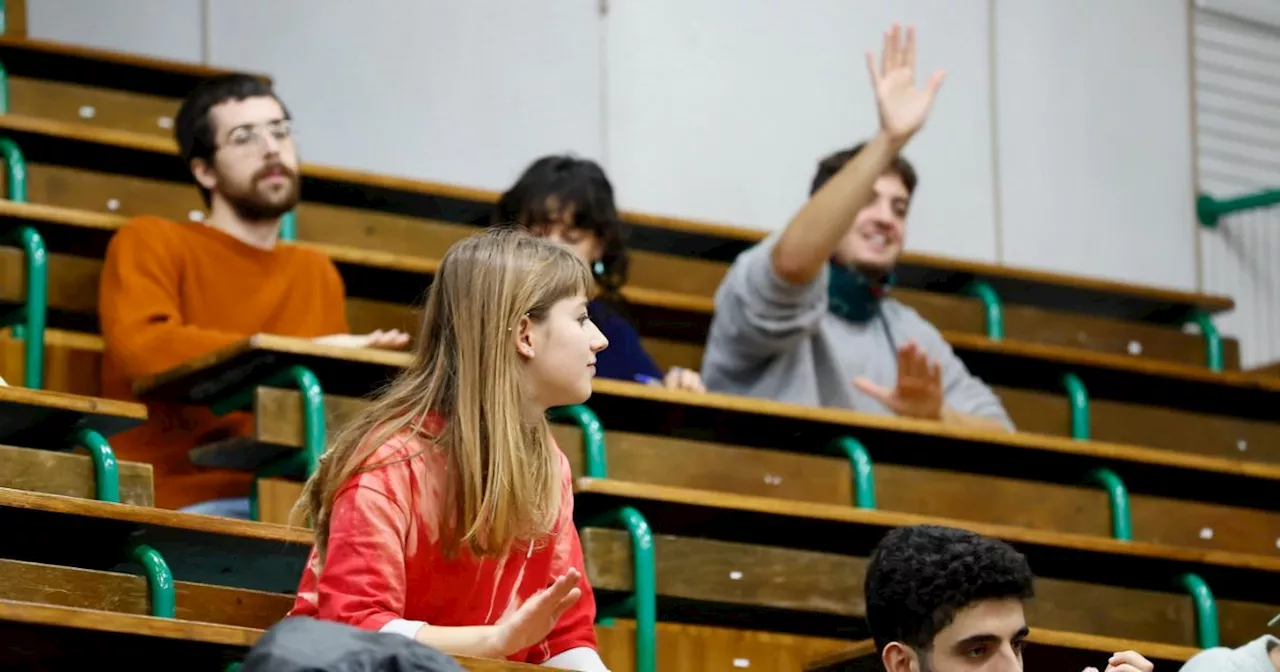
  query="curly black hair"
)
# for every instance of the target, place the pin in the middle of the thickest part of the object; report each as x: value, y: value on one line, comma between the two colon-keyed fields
x: 562, y: 181
x: 919, y: 577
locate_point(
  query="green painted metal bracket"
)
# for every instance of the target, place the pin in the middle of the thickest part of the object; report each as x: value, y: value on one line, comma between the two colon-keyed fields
x: 1206, y: 609
x: 1212, y: 339
x: 991, y: 304
x: 106, y: 470
x: 643, y: 601
x: 593, y: 444
x: 289, y: 226
x: 16, y: 166
x: 160, y: 587
x: 1078, y: 397
x: 1121, y: 519
x: 314, y: 426
x: 29, y: 320
x: 4, y: 74
x: 864, y: 482
x: 1209, y: 209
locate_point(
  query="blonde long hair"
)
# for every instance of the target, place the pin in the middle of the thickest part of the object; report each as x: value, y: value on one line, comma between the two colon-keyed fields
x: 503, y: 480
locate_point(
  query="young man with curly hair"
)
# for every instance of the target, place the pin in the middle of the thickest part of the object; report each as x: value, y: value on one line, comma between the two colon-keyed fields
x: 941, y: 599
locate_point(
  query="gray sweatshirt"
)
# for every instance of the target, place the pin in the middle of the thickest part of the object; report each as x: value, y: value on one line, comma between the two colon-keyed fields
x: 1252, y: 657
x: 776, y: 340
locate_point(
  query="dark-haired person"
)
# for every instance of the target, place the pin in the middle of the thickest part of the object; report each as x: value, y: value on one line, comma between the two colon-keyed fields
x: 570, y: 201
x: 172, y: 291
x: 940, y: 599
x: 805, y: 316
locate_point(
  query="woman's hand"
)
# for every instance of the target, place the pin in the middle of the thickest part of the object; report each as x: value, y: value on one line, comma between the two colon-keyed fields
x: 533, y: 621
x: 683, y: 379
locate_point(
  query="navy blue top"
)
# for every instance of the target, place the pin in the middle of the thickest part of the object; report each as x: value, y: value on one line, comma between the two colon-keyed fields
x: 625, y: 358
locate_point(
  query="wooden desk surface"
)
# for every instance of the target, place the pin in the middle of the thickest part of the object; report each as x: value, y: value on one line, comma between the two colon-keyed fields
x: 349, y: 371
x: 40, y: 636
x: 43, y: 419
x: 199, y: 549
x: 1133, y: 301
x: 851, y: 531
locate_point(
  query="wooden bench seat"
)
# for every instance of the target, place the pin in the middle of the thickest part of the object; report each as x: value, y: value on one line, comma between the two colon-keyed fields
x: 817, y: 477
x: 87, y: 534
x: 848, y: 531
x: 666, y: 248
x: 63, y: 82
x: 45, y: 419
x: 70, y: 475
x: 46, y: 637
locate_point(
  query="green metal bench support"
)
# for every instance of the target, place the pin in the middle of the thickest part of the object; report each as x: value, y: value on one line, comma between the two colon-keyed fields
x: 106, y: 470
x: 1118, y: 493
x: 991, y: 304
x: 593, y: 444
x: 643, y: 601
x: 4, y: 74
x: 313, y: 424
x: 1078, y: 397
x: 29, y: 321
x: 1213, y: 358
x: 160, y: 589
x: 1206, y: 610
x: 864, y: 482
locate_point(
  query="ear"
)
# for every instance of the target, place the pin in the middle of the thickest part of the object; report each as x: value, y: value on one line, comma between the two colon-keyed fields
x: 898, y: 657
x: 202, y: 170
x: 525, y: 338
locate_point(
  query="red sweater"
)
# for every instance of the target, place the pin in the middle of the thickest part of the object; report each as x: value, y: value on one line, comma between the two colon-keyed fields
x: 384, y: 561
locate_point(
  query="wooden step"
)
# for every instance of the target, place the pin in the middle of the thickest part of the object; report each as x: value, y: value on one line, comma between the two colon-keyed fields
x: 44, y: 419
x: 683, y: 647
x: 127, y: 594
x: 57, y: 143
x: 88, y: 534
x: 821, y: 478
x: 45, y: 637
x: 70, y: 475
x: 850, y: 531
x: 798, y: 591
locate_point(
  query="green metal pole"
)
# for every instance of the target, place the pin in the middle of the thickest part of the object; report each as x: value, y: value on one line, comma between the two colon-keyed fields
x: 1121, y: 519
x: 1206, y: 609
x: 644, y: 582
x: 289, y: 226
x: 991, y: 304
x: 593, y: 443
x: 159, y: 580
x: 1078, y: 397
x: 1209, y: 209
x: 864, y: 482
x: 1212, y: 339
x: 30, y: 319
x: 16, y: 165
x: 4, y: 73
x: 106, y: 470
x: 313, y: 422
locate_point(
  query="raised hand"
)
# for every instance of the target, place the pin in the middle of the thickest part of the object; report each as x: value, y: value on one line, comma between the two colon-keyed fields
x: 918, y: 392
x: 533, y: 621
x: 903, y: 108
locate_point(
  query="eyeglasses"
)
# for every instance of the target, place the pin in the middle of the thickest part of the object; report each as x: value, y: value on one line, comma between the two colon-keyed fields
x: 245, y: 136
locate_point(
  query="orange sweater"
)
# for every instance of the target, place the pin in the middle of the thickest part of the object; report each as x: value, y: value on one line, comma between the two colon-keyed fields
x: 170, y: 292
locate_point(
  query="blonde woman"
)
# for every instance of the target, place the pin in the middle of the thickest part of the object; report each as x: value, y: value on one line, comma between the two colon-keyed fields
x: 445, y: 512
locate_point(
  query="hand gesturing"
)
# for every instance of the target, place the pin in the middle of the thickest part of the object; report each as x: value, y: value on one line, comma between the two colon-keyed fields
x: 903, y: 108
x: 918, y: 392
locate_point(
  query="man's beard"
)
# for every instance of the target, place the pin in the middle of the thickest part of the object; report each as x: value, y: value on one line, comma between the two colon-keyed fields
x: 251, y: 206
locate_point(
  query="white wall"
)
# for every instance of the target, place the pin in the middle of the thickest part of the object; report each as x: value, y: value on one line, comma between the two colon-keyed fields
x: 1061, y: 139
x: 1095, y: 138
